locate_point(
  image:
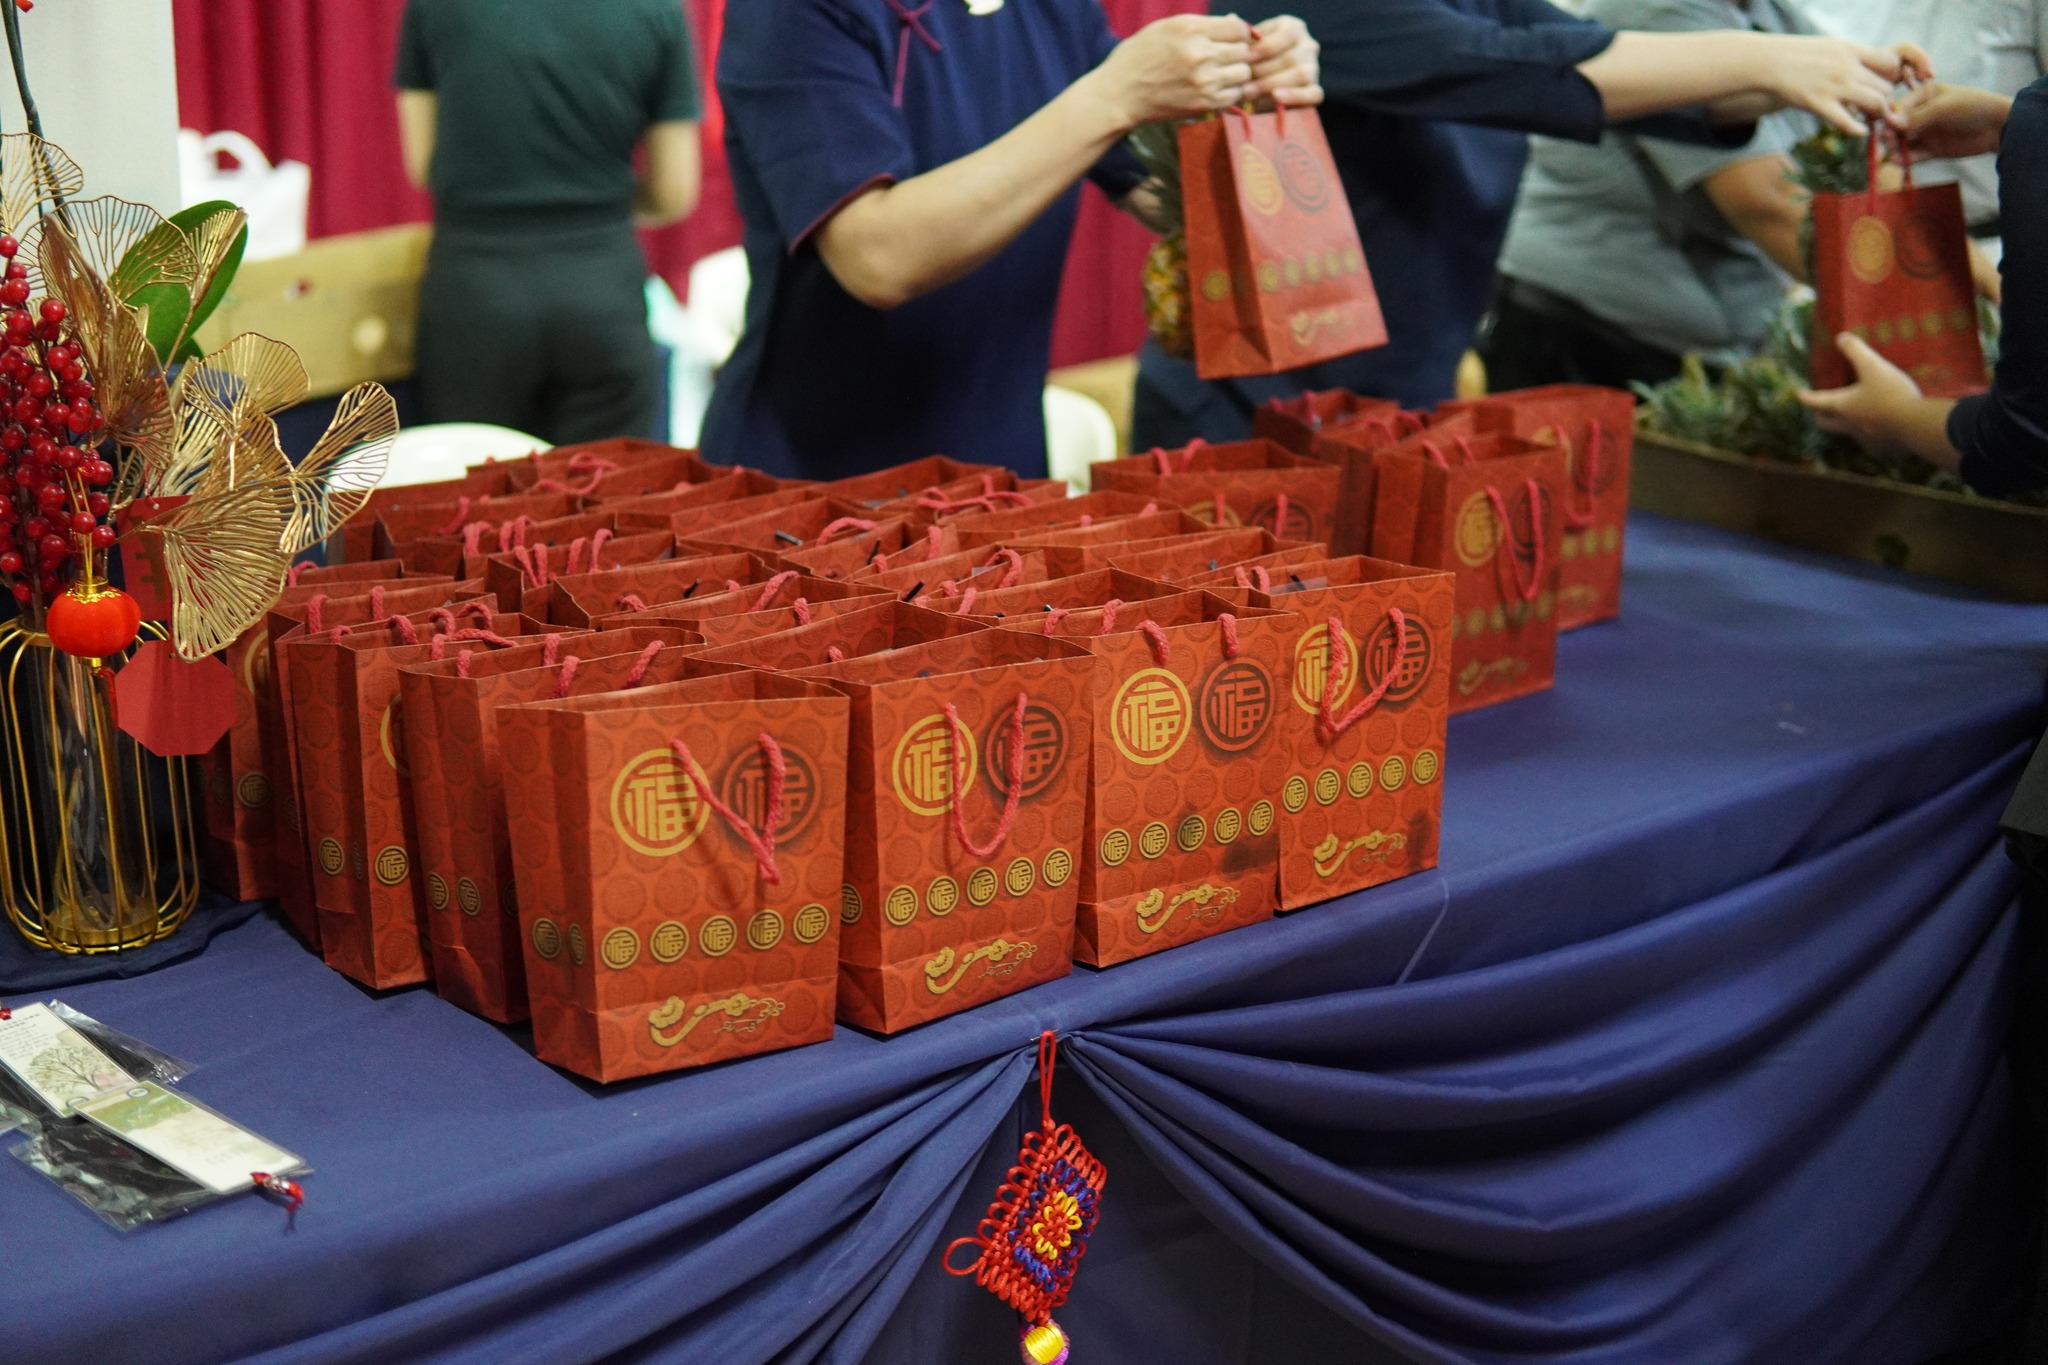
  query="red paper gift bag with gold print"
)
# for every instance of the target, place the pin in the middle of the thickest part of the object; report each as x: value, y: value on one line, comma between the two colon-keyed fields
x: 458, y: 798
x: 1368, y: 695
x: 1244, y: 483
x: 1491, y: 514
x: 966, y: 785
x: 784, y: 602
x: 1296, y: 422
x: 678, y: 854
x: 1893, y: 267
x: 1278, y: 279
x: 948, y: 575
x: 1189, y: 752
x: 1596, y: 428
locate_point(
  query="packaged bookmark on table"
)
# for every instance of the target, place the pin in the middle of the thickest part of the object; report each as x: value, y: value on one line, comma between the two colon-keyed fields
x: 678, y: 852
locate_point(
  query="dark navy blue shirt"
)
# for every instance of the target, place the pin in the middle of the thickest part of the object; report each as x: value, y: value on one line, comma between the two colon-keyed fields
x: 822, y: 385
x: 1428, y: 104
x: 2003, y: 434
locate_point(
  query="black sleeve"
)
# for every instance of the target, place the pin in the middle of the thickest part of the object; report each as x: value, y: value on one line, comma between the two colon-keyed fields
x: 2003, y: 434
x: 1423, y: 59
x: 415, y: 71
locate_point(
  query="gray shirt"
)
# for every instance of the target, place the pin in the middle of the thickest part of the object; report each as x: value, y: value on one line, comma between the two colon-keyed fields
x: 1624, y: 227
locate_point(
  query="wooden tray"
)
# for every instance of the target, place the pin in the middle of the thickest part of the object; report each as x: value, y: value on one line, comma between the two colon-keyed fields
x: 1996, y: 547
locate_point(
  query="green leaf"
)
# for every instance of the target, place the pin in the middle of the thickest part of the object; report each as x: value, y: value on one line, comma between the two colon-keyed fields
x: 189, y: 221
x: 168, y: 305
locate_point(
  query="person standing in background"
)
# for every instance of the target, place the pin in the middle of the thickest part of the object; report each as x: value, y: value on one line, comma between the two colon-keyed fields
x: 1695, y: 246
x: 1428, y: 104
x: 523, y: 117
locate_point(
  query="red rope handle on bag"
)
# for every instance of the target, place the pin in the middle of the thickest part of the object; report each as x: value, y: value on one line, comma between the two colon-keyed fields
x: 966, y: 607
x: 576, y: 549
x: 1157, y: 636
x: 763, y: 841
x: 1229, y: 624
x: 566, y: 676
x: 1585, y: 481
x: 835, y: 654
x: 801, y: 610
x: 960, y: 780
x: 933, y: 538
x: 550, y: 649
x: 1053, y: 617
x: 1528, y: 590
x: 1014, y: 573
x: 473, y: 538
x: 462, y: 662
x: 1217, y: 511
x: 638, y: 673
x: 1334, y: 668
x: 841, y: 526
x: 403, y: 629
x: 1109, y: 611
x: 1256, y: 576
x: 458, y: 521
x: 597, y: 544
x: 770, y: 588
x: 293, y: 574
x: 1279, y: 516
x: 533, y: 564
x: 631, y: 601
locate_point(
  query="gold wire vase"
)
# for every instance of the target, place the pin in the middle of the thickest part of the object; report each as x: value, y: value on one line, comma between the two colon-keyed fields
x: 97, y: 842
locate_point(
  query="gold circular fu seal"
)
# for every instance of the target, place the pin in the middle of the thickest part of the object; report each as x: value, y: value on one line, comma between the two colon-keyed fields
x: 1116, y: 847
x: 669, y: 941
x: 925, y: 767
x: 811, y: 923
x: 437, y: 891
x: 547, y: 939
x: 1229, y: 824
x: 764, y: 931
x: 655, y: 806
x: 1477, y: 532
x: 1394, y: 772
x: 331, y: 858
x: 1057, y: 867
x: 1358, y: 781
x: 1193, y: 830
x: 1261, y: 818
x: 718, y: 936
x: 1425, y: 768
x: 981, y: 883
x: 849, y: 904
x: 942, y: 895
x: 253, y: 791
x: 900, y: 906
x: 1150, y: 715
x: 1294, y: 794
x: 1019, y: 876
x: 1153, y: 839
x: 1257, y: 181
x: 576, y: 944
x: 1216, y: 286
x: 391, y: 865
x: 1871, y: 255
x: 1328, y: 785
x: 467, y: 896
x: 620, y: 949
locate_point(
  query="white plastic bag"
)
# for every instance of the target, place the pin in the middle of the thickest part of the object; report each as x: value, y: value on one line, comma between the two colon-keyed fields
x: 274, y: 197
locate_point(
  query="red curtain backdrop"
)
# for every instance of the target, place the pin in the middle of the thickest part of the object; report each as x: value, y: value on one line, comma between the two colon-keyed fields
x: 310, y: 80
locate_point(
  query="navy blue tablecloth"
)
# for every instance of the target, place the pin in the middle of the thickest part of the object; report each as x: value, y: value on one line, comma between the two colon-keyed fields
x: 1691, y: 1051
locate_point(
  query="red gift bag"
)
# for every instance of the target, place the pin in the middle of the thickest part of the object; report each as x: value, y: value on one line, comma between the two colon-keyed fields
x: 1296, y: 422
x: 651, y: 511
x: 1278, y: 277
x: 1596, y: 428
x: 1894, y: 268
x: 1242, y: 483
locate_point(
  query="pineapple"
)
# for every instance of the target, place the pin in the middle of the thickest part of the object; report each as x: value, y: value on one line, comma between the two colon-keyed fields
x: 1169, y: 311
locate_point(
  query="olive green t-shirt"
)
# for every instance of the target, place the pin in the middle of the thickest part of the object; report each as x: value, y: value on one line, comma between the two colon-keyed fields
x: 541, y: 102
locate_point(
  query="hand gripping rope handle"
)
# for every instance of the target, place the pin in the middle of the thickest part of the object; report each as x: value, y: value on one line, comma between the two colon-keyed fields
x: 762, y: 842
x: 961, y: 778
x: 1335, y: 664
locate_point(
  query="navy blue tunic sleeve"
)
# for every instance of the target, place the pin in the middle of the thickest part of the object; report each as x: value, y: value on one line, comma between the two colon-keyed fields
x: 806, y: 87
x: 2003, y: 434
x: 1512, y: 65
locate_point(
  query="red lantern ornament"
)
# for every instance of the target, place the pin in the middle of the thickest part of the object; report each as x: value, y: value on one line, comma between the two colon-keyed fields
x: 1033, y: 1235
x: 93, y: 622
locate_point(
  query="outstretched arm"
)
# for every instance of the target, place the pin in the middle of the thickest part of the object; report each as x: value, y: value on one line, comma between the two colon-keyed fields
x: 1743, y: 74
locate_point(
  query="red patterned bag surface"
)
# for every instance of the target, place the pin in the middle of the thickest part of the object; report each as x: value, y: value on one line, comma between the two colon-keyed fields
x: 1056, y: 597
x: 1894, y: 268
x: 782, y: 603
x: 485, y: 529
x: 1171, y: 559
x: 1189, y: 746
x: 707, y: 518
x: 998, y: 528
x: 970, y: 497
x: 1065, y: 545
x: 354, y: 770
x: 592, y: 461
x: 1597, y: 429
x: 356, y: 541
x: 885, y: 625
x: 1490, y: 512
x: 678, y: 854
x: 966, y: 783
x: 521, y: 576
x: 1279, y: 279
x: 1368, y: 695
x: 1245, y: 483
x: 240, y: 850
x: 848, y: 555
x: 575, y: 601
x: 295, y: 616
x: 652, y: 511
x: 910, y: 575
x: 905, y: 481
x: 1352, y: 446
x: 458, y: 794
x: 800, y: 525
x: 1295, y: 422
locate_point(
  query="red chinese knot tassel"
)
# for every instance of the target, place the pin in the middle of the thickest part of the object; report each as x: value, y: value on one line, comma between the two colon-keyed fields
x: 1031, y: 1240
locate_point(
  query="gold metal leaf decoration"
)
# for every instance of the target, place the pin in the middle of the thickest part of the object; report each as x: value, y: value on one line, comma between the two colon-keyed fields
x: 334, y: 481
x: 219, y: 450
x: 128, y: 246
x: 223, y: 564
x: 33, y: 174
x: 127, y: 381
x: 251, y: 371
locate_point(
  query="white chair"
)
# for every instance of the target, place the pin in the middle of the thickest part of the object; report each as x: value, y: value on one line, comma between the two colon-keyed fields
x: 1078, y: 432
x: 443, y: 450
x: 717, y: 306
